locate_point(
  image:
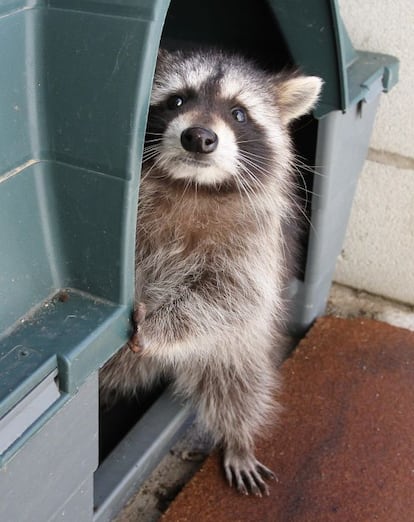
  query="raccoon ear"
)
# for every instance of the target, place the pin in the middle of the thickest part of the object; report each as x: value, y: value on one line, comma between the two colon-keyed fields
x: 297, y: 95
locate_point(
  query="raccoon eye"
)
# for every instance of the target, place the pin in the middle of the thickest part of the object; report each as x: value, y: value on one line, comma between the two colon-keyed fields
x: 175, y: 102
x: 239, y: 114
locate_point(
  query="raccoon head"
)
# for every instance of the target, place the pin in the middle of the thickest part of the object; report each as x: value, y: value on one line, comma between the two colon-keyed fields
x: 217, y: 120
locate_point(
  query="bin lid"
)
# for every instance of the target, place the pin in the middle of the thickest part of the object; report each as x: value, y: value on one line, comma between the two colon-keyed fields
x: 320, y: 45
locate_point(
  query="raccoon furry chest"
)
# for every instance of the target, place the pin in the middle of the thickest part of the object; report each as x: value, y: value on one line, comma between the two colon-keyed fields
x: 189, y: 241
x: 198, y: 221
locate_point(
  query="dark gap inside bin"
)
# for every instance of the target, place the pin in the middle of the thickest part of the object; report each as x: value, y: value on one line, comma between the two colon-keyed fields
x: 304, y: 133
x: 252, y: 32
x: 116, y: 420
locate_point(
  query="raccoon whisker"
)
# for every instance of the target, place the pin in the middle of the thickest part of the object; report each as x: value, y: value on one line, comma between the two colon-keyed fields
x: 145, y: 174
x: 148, y: 153
x: 301, y: 158
x: 244, y: 191
x: 257, y: 165
x: 166, y: 159
x: 262, y: 165
x: 155, y: 164
x: 256, y: 183
x: 305, y: 189
x: 151, y: 146
x: 243, y: 182
x: 258, y: 168
x: 151, y: 149
x: 254, y: 155
x: 304, y: 185
x: 251, y: 156
x: 153, y: 140
x: 154, y: 136
x: 297, y: 161
x: 252, y: 176
x: 249, y: 192
x: 238, y: 142
x: 148, y: 156
x: 195, y: 193
x: 261, y: 160
x: 145, y: 160
x: 306, y: 218
x: 301, y: 198
x: 187, y: 185
x: 302, y: 167
x: 299, y: 207
x: 309, y: 168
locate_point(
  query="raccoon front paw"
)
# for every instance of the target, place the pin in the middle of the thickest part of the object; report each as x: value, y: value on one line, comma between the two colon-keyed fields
x: 247, y: 474
x: 136, y: 342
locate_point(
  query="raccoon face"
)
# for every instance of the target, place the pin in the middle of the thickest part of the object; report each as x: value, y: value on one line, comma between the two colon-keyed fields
x: 193, y: 141
x: 215, y: 120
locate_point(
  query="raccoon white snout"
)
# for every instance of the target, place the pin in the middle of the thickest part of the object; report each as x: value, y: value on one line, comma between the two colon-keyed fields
x: 199, y: 139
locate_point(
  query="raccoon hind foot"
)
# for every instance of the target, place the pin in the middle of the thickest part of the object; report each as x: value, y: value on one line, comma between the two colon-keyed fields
x: 247, y: 474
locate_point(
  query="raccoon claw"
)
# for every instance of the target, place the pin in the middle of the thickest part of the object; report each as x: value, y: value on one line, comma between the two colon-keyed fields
x: 136, y: 342
x: 247, y: 475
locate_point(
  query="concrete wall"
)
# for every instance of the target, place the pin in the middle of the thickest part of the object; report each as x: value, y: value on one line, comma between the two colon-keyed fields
x: 378, y: 254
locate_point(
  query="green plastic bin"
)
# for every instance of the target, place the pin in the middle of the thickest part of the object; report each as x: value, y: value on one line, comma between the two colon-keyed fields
x: 75, y: 83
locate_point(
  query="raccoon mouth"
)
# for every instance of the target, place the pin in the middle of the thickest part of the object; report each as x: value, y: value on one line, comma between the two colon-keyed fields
x: 195, y: 162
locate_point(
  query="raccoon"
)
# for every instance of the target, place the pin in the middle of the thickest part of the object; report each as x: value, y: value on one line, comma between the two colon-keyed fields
x: 216, y: 188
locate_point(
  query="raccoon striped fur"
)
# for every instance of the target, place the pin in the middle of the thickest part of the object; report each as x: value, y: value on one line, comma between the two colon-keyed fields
x: 210, y: 255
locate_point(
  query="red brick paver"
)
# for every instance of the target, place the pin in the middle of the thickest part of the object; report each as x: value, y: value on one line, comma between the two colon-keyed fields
x: 343, y: 449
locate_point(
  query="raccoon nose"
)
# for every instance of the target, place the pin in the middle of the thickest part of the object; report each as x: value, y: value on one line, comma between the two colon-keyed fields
x: 198, y: 139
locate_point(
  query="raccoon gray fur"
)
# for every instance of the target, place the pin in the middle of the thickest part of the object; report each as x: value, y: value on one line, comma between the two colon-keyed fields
x: 210, y: 257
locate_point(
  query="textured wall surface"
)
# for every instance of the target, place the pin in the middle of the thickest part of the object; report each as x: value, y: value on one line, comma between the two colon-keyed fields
x: 378, y: 253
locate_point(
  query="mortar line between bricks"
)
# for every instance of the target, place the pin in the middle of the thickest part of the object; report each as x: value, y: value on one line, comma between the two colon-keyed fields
x: 390, y: 158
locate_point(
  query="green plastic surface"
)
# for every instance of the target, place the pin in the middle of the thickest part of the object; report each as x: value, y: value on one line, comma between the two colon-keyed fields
x: 75, y: 83
x: 319, y: 43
